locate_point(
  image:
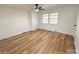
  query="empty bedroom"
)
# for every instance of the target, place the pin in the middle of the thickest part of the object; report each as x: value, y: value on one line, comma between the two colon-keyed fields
x: 39, y: 28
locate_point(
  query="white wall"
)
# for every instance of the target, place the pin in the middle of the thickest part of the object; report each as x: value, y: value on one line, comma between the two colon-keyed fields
x: 66, y: 20
x: 34, y: 20
x: 13, y: 22
x: 77, y: 34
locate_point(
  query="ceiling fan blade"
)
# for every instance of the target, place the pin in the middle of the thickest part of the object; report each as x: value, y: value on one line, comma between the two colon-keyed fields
x: 40, y: 8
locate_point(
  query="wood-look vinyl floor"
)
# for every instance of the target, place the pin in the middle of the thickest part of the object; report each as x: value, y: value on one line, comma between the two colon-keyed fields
x: 38, y: 42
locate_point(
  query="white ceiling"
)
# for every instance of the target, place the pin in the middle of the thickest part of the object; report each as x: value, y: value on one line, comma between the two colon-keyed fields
x: 18, y: 6
x: 30, y: 7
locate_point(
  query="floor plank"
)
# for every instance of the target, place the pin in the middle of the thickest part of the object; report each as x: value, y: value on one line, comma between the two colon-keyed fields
x: 38, y: 42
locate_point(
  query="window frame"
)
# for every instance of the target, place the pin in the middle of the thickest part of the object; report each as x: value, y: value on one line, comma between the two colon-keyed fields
x: 49, y: 17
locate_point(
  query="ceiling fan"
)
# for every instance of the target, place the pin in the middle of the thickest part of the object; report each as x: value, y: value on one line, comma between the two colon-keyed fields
x: 37, y: 8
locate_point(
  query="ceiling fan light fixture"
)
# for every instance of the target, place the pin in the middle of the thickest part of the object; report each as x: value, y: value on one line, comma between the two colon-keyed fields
x: 36, y: 10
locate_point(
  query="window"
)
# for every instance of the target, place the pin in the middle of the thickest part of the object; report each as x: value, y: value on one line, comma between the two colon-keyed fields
x: 51, y: 18
x: 45, y: 18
